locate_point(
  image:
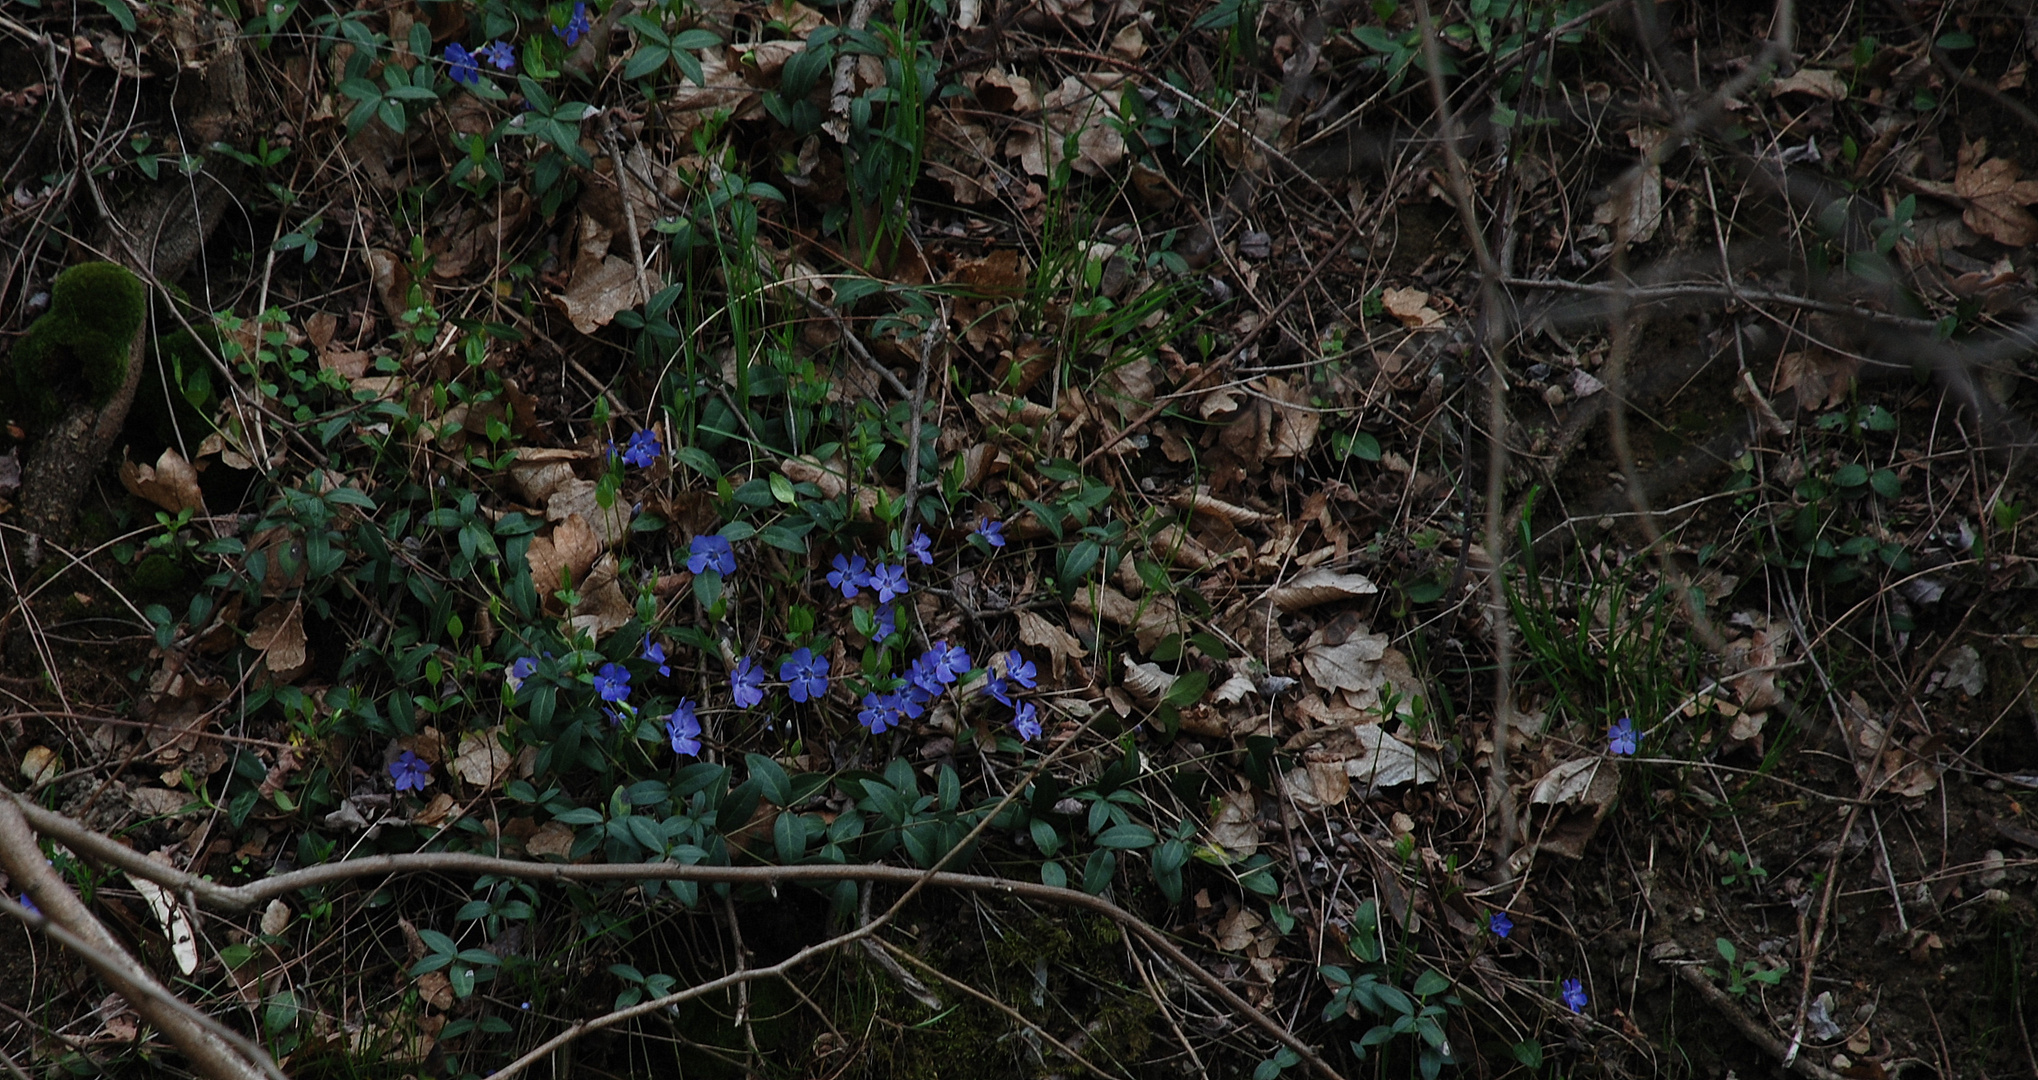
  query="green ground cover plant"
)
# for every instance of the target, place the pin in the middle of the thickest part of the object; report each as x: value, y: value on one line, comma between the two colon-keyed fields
x: 1473, y: 538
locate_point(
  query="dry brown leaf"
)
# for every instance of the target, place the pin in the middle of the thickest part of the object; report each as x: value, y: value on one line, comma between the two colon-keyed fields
x: 611, y: 523
x: 1086, y: 105
x: 437, y: 812
x: 482, y: 760
x: 1995, y: 197
x: 552, y: 838
x: 40, y: 765
x: 1151, y: 619
x: 1236, y: 828
x: 1235, y: 931
x: 597, y: 292
x: 436, y: 990
x: 1411, y: 306
x: 1061, y: 646
x: 1821, y: 378
x: 275, y: 918
x: 1389, y: 762
x: 1147, y: 682
x: 1296, y: 419
x: 539, y: 471
x: 278, y: 635
x: 1320, y: 586
x: 1818, y: 82
x: 602, y: 606
x: 1320, y: 782
x: 172, y: 484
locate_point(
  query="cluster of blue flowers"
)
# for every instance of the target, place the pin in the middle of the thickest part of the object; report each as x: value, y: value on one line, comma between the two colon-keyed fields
x: 926, y: 679
x: 804, y: 673
x: 466, y: 66
x: 1019, y: 672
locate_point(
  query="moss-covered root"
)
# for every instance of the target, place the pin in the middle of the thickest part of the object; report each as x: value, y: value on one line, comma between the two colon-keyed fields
x: 77, y: 352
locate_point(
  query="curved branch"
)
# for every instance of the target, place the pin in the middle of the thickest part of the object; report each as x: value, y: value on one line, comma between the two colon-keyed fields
x: 213, y: 1050
x: 246, y: 897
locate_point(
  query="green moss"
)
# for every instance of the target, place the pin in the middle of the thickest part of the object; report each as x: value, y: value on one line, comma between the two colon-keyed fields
x: 76, y: 353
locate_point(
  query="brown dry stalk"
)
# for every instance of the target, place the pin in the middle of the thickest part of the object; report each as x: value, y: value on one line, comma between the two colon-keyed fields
x: 1493, y: 315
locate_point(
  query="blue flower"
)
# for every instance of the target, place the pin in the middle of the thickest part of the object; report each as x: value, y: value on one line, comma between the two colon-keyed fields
x: 643, y: 449
x: 849, y: 575
x: 1574, y: 995
x: 410, y: 772
x: 878, y: 714
x: 655, y: 653
x: 996, y: 686
x: 991, y: 532
x: 1026, y: 719
x: 498, y: 53
x: 575, y: 26
x: 805, y: 675
x: 612, y: 682
x: 950, y: 661
x: 523, y: 667
x: 30, y: 905
x: 465, y: 71
x: 926, y: 673
x: 1021, y: 670
x: 684, y: 729
x: 921, y: 547
x: 747, y: 681
x: 889, y: 579
x: 711, y: 552
x: 1500, y: 924
x: 887, y: 621
x: 1620, y: 738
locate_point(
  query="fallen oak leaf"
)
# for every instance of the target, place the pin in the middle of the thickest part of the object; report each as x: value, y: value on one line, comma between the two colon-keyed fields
x: 1995, y: 197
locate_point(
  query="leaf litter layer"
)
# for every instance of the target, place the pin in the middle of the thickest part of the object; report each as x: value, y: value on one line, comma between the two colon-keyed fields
x: 1052, y: 444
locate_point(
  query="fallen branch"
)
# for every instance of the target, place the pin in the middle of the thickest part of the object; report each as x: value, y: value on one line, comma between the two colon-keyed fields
x: 213, y: 1050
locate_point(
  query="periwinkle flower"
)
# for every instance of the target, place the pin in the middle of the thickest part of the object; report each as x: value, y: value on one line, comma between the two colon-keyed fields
x: 880, y: 713
x: 612, y: 682
x: 805, y: 675
x: 1574, y: 995
x: 523, y: 667
x: 992, y: 532
x: 889, y: 579
x: 464, y: 70
x: 747, y: 683
x: 1621, y: 737
x: 851, y: 573
x: 644, y: 449
x: 921, y: 547
x: 655, y: 653
x: 498, y: 53
x: 410, y: 772
x: 887, y: 622
x: 1500, y: 924
x: 1021, y: 670
x: 1026, y: 720
x: 950, y: 661
x: 711, y: 552
x: 684, y: 729
x: 575, y: 27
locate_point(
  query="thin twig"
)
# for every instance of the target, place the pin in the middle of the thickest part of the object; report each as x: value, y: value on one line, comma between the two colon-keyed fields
x: 1493, y: 316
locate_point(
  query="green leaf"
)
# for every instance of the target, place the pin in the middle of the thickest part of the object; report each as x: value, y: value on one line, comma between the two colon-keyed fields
x: 1529, y: 1052
x: 1431, y: 982
x: 1127, y: 837
x: 1187, y: 689
x: 1885, y: 483
x: 771, y: 778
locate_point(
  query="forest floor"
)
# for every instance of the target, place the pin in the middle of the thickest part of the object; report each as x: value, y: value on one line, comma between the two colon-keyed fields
x: 1511, y: 564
